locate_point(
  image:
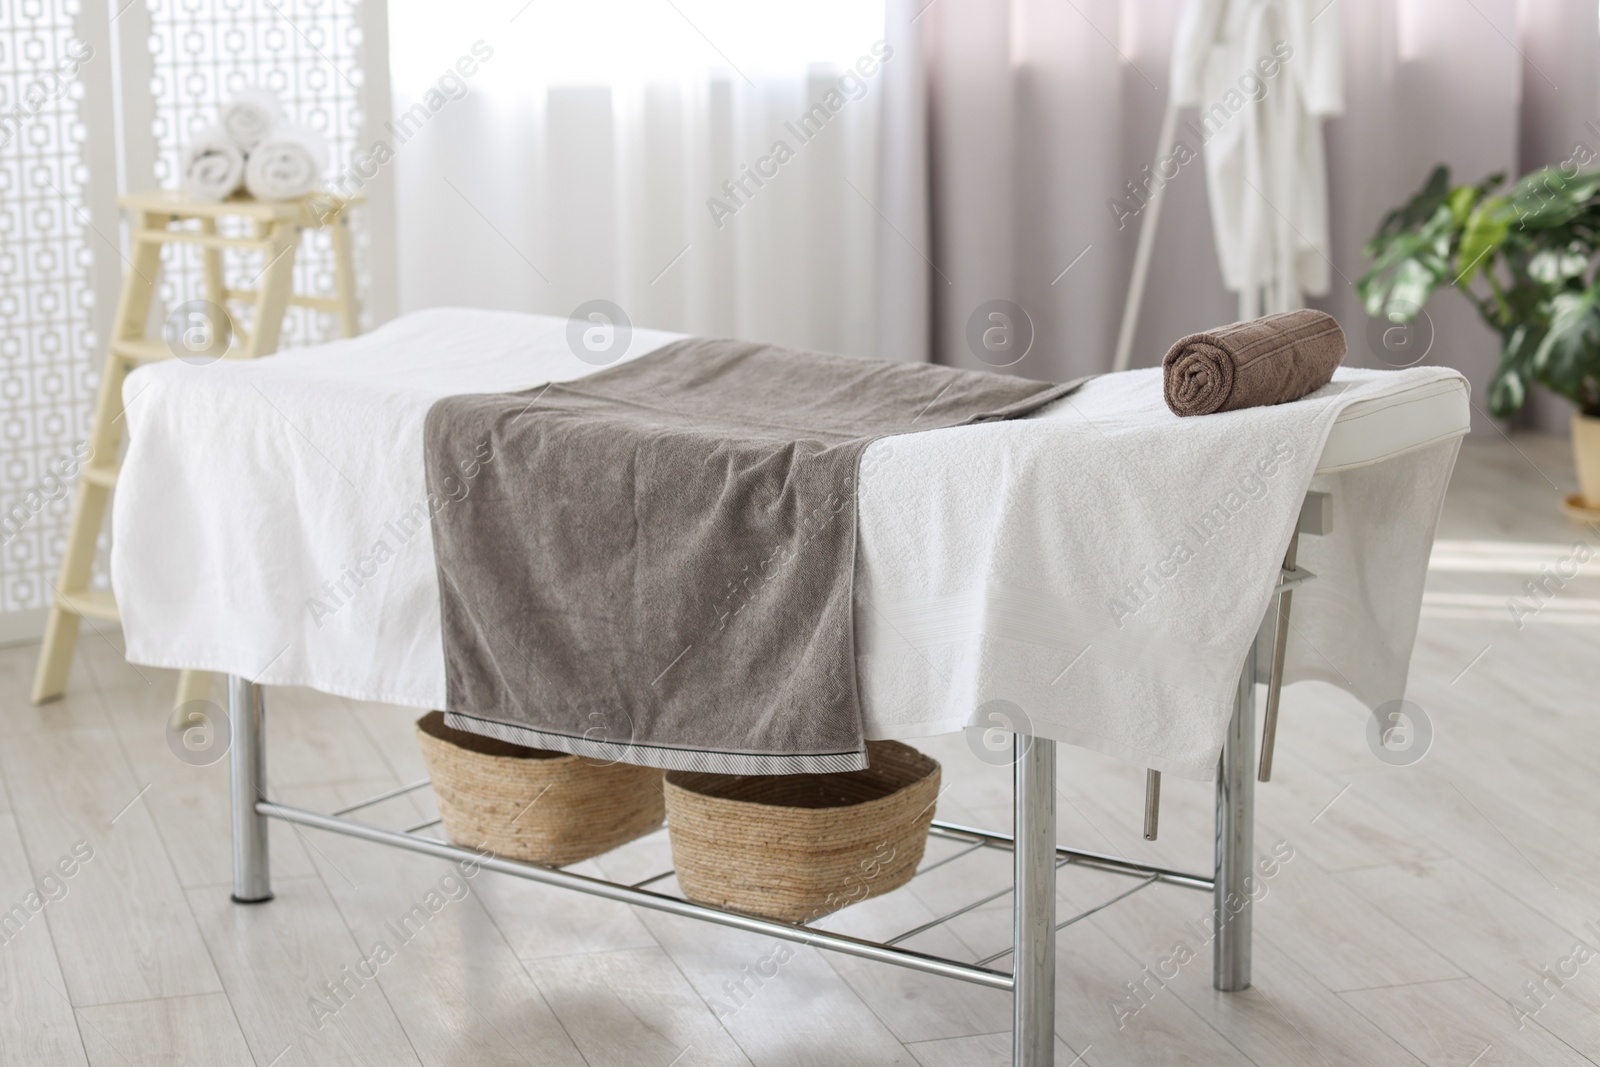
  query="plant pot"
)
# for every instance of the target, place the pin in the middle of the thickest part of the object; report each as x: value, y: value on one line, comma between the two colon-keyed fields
x: 1586, y: 450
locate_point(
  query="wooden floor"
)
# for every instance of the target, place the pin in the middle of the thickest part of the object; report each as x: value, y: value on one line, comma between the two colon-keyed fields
x: 1419, y: 908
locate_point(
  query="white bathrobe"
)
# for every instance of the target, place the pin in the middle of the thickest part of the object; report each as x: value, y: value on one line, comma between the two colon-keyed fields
x: 1265, y: 173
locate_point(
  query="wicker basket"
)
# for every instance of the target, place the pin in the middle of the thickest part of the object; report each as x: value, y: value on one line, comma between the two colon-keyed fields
x: 798, y: 846
x: 533, y: 805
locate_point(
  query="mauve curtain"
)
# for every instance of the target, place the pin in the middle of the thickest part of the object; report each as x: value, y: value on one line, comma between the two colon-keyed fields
x: 1027, y: 117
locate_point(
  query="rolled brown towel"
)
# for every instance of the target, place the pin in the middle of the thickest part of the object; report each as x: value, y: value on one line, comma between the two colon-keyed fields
x: 1270, y: 360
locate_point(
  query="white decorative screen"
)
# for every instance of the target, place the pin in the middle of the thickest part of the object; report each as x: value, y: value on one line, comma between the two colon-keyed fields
x: 77, y: 126
x: 309, y: 53
x: 49, y: 351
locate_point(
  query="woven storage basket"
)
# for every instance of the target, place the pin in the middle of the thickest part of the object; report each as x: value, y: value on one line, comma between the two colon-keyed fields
x: 798, y: 846
x: 530, y: 804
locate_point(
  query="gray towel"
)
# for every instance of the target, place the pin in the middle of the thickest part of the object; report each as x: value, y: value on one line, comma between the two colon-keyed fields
x: 1270, y: 360
x: 656, y: 566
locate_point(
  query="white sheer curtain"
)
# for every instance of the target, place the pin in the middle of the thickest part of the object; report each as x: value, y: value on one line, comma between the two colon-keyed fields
x: 587, y: 158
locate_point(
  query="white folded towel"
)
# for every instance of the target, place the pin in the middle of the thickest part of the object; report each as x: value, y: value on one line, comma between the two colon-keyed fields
x: 250, y: 116
x: 288, y: 163
x: 213, y: 166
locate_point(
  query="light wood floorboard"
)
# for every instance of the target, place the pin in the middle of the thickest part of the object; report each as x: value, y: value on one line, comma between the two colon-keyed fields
x: 153, y: 1033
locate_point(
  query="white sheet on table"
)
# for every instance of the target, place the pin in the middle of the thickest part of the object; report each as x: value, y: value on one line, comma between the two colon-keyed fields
x: 987, y: 555
x: 992, y: 564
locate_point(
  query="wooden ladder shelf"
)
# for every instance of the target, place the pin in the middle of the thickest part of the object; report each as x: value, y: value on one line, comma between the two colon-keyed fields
x: 157, y: 219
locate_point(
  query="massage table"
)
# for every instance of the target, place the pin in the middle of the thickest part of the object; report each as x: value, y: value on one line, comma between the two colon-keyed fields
x: 288, y: 467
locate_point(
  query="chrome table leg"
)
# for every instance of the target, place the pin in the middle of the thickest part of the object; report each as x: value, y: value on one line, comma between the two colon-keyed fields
x: 1280, y: 645
x: 1034, y: 908
x: 1236, y: 802
x: 252, y: 874
x: 1152, y: 804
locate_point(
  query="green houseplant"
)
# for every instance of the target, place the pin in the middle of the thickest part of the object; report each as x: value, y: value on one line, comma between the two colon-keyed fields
x: 1526, y: 259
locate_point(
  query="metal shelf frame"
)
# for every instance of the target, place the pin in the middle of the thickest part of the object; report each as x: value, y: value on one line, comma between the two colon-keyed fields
x: 1036, y: 860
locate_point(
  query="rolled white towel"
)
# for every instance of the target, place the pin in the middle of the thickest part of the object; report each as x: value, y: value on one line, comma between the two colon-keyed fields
x: 287, y: 164
x: 213, y: 166
x: 250, y: 116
